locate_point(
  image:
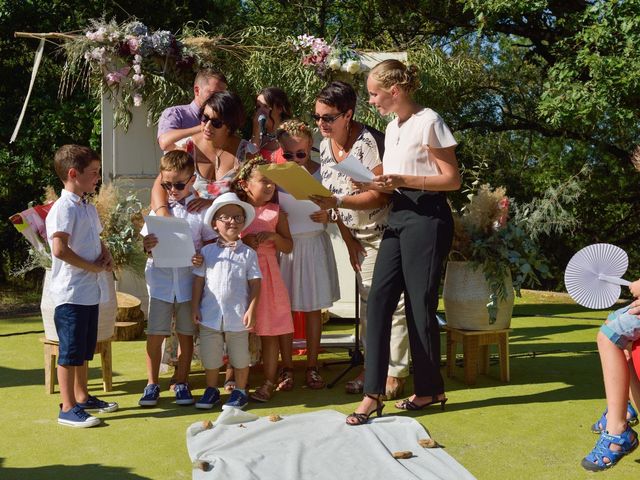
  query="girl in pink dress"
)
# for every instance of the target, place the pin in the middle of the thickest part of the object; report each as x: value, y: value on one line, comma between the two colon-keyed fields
x: 268, y: 234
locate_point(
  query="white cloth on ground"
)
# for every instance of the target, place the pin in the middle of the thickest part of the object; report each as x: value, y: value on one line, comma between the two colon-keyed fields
x: 318, y: 445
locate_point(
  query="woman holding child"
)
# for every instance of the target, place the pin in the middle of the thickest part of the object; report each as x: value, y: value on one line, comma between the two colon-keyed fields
x: 419, y: 166
x: 218, y: 151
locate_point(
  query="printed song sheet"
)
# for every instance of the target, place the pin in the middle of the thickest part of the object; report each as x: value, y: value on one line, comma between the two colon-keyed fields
x: 294, y: 179
x: 353, y: 168
x: 175, y: 243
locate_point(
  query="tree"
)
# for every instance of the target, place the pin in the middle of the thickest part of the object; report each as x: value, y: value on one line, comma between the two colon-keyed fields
x: 26, y: 165
x: 534, y: 89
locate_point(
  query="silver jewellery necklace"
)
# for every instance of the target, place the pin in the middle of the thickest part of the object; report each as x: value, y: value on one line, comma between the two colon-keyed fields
x: 400, y: 130
x: 342, y: 149
x: 402, y: 125
x: 218, y: 154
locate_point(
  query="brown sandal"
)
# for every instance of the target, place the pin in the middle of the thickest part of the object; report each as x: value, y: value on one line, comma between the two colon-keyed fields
x: 264, y: 392
x: 285, y: 380
x: 314, y: 380
x: 354, y: 386
x: 397, y: 390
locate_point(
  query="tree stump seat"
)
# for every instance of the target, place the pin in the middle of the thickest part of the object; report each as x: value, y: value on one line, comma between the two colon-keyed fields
x: 129, y: 319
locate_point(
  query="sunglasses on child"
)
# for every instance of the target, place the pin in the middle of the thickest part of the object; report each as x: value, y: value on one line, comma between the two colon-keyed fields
x: 178, y: 185
x: 326, y: 118
x: 215, y: 122
x: 227, y: 218
x: 299, y: 154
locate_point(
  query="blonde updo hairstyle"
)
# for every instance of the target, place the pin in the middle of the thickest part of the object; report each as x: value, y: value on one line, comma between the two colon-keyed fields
x: 295, y: 128
x: 393, y: 72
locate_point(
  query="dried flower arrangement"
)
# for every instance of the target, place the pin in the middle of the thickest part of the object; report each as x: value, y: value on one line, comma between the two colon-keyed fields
x: 485, y: 236
x: 121, y: 218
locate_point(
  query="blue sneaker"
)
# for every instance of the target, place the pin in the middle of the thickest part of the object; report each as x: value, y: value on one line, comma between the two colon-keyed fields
x: 210, y: 397
x: 237, y: 399
x: 183, y: 394
x: 150, y: 395
x: 77, y: 417
x: 94, y: 403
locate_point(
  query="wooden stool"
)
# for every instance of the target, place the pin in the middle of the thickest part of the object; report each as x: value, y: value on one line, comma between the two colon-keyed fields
x: 51, y: 353
x: 475, y: 351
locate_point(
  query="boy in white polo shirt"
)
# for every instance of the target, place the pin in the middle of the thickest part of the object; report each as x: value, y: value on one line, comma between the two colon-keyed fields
x: 77, y: 257
x: 170, y: 288
x: 225, y: 298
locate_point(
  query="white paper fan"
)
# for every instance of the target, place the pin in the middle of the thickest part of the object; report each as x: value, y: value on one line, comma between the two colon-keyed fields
x: 592, y: 276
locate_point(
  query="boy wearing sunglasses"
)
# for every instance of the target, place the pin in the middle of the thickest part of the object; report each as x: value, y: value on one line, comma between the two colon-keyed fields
x: 170, y: 288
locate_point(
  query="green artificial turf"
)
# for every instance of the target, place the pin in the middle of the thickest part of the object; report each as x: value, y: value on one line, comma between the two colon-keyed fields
x: 536, y: 427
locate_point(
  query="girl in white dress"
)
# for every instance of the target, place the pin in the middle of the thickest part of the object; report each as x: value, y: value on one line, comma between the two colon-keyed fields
x: 309, y: 271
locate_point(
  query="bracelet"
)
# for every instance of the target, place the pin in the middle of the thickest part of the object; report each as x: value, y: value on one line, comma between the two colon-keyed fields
x: 339, y: 199
x: 162, y: 206
x: 333, y: 215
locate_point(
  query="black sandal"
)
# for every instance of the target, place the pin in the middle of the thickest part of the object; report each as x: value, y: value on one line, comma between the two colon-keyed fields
x: 407, y: 404
x: 362, y: 418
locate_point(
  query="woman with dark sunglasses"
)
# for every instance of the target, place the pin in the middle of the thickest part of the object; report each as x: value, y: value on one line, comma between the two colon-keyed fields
x: 272, y: 108
x: 361, y: 215
x: 217, y: 151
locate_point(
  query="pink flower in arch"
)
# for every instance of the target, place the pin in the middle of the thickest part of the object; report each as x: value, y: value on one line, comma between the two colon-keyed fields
x: 114, y: 78
x: 503, y: 204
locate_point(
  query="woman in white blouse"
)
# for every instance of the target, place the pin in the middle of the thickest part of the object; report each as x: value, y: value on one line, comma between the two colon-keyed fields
x: 419, y: 165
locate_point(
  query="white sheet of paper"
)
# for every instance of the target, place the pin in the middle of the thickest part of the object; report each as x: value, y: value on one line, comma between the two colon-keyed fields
x: 298, y: 212
x: 352, y: 167
x: 175, y: 243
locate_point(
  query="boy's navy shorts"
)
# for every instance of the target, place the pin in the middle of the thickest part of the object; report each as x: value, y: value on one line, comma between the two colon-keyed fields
x: 622, y: 327
x: 77, y: 327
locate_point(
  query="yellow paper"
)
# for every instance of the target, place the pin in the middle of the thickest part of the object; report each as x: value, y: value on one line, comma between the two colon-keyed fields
x: 294, y: 179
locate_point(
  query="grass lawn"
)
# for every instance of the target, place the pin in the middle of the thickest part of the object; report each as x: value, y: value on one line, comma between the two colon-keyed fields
x: 536, y: 427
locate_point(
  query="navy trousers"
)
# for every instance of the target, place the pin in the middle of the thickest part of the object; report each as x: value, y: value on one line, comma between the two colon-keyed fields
x: 410, y: 260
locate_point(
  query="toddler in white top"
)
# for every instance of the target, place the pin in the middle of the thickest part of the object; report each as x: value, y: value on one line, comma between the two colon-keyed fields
x: 170, y: 288
x: 225, y: 298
